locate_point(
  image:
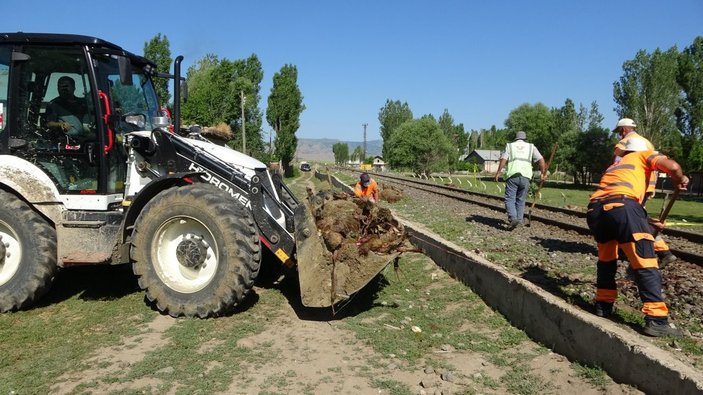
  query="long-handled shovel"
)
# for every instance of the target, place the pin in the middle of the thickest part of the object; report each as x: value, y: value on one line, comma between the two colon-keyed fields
x: 665, y: 210
x: 541, y: 183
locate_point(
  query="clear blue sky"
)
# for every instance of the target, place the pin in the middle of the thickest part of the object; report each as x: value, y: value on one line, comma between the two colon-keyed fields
x: 479, y: 60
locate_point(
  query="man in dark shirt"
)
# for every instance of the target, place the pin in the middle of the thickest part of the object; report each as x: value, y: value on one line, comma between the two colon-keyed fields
x: 67, y: 112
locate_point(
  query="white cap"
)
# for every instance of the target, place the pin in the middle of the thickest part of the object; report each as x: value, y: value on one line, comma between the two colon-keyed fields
x: 625, y: 122
x: 636, y: 144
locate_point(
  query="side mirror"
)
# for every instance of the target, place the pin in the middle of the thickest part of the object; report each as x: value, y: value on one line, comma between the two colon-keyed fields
x: 184, y: 91
x: 125, y: 70
x: 136, y: 120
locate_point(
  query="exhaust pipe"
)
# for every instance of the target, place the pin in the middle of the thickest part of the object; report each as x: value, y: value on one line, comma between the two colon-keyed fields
x: 177, y: 94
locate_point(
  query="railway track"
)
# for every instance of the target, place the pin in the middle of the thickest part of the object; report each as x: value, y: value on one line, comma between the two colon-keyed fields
x: 557, y: 254
x: 687, y: 246
x: 556, y: 251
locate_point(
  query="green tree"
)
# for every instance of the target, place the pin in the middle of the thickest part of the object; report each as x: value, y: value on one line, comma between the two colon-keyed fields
x: 494, y: 138
x: 594, y: 152
x: 245, y: 84
x: 158, y: 51
x: 357, y: 154
x: 285, y: 104
x: 690, y: 116
x: 566, y: 119
x: 208, y: 104
x: 473, y: 141
x: 341, y: 153
x: 595, y: 118
x: 695, y: 157
x: 535, y: 120
x: 216, y: 88
x: 390, y: 116
x: 649, y: 93
x: 567, y: 125
x: 456, y: 136
x: 583, y: 153
x: 419, y: 145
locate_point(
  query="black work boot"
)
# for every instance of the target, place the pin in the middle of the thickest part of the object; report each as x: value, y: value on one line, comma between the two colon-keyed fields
x: 604, y: 309
x: 661, y: 328
x: 665, y: 258
x: 513, y: 224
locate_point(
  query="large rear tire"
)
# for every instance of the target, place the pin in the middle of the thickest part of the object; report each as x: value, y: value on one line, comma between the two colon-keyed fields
x: 196, y: 251
x: 27, y: 254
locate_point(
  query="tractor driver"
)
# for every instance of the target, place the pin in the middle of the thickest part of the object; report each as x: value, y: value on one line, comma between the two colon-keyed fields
x: 67, y: 112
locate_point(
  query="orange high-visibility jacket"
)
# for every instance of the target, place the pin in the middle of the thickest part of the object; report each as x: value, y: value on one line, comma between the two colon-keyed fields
x: 370, y: 191
x: 630, y: 176
x: 621, y: 144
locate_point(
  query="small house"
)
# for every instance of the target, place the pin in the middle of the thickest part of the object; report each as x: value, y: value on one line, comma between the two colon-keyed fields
x: 486, y: 159
x: 378, y: 163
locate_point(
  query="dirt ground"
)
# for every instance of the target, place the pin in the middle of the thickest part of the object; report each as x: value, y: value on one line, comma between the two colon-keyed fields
x: 321, y: 357
x: 324, y: 359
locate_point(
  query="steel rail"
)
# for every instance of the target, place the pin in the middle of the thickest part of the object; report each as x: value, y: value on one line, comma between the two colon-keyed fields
x: 485, y: 200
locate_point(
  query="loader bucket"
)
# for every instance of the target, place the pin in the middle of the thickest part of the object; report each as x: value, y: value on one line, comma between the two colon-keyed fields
x: 324, y: 281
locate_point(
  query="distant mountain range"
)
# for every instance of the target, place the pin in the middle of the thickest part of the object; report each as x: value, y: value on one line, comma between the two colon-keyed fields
x: 321, y: 149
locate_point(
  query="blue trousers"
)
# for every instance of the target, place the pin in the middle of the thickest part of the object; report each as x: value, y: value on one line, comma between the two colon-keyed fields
x: 516, y: 188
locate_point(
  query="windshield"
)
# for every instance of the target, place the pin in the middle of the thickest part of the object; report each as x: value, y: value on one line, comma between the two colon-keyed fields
x: 138, y: 98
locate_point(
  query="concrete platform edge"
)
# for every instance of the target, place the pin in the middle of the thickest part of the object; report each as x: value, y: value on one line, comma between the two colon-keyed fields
x: 578, y: 335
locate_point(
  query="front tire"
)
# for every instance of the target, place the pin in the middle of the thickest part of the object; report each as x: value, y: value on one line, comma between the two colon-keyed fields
x: 27, y: 254
x: 196, y: 251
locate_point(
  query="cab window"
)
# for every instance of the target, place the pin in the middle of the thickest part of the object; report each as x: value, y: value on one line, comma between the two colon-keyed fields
x: 56, y: 118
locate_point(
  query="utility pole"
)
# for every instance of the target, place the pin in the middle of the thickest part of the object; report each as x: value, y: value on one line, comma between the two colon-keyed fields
x: 363, y: 158
x: 244, y: 121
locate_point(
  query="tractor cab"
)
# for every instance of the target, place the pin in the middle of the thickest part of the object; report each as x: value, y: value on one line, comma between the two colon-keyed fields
x: 66, y: 103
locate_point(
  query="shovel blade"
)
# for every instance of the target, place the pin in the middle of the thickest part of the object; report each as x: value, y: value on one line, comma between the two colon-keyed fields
x: 323, y: 282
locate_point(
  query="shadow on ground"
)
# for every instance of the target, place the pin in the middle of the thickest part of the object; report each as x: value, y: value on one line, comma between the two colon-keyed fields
x: 275, y: 276
x: 95, y: 282
x: 492, y: 222
x: 566, y: 246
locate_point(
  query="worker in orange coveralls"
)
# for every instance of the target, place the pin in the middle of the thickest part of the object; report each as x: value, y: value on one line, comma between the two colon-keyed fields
x: 367, y: 187
x: 625, y: 128
x: 618, y: 221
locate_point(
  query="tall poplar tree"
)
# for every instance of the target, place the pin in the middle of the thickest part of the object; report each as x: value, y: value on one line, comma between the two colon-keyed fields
x: 690, y: 117
x: 341, y: 153
x: 158, y: 51
x: 285, y: 104
x: 247, y: 75
x: 456, y: 136
x: 649, y: 93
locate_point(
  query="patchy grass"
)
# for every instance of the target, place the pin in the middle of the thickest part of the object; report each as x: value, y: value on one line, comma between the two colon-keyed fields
x: 72, y: 321
x: 520, y: 380
x: 594, y: 375
x: 92, y: 309
x: 391, y: 386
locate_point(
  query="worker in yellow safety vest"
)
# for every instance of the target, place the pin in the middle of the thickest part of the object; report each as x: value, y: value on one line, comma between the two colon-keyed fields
x: 519, y: 156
